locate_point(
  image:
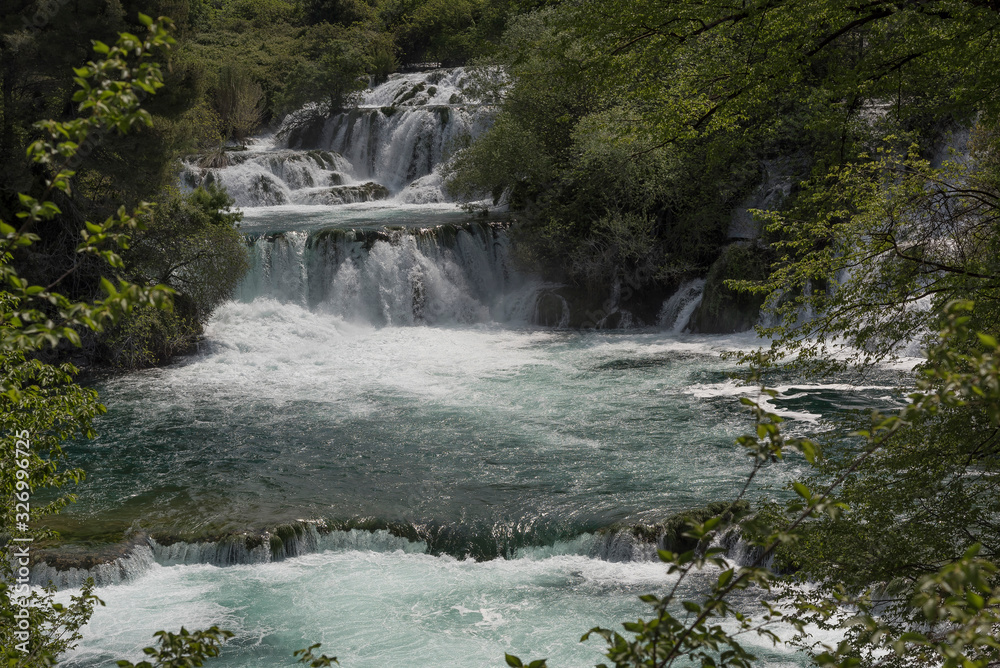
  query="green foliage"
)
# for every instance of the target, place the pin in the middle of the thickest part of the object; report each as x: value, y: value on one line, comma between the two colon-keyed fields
x: 833, y: 59
x: 182, y: 650
x: 44, y: 402
x: 239, y: 101
x: 343, y: 12
x: 206, y: 129
x: 192, y: 243
x: 42, y: 406
x: 61, y: 624
x: 674, y: 530
x: 260, y: 14
x: 434, y: 30
x: 35, y: 315
x: 307, y: 657
x: 338, y: 63
x: 265, y: 53
x: 850, y: 87
x: 866, y: 244
x: 724, y: 310
x: 824, y: 79
x: 596, y: 203
x: 516, y: 662
x: 148, y: 337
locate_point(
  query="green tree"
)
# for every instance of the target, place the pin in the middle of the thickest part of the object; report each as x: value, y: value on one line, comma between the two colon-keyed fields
x: 338, y: 65
x: 866, y: 253
x: 239, y: 101
x: 343, y: 12
x: 192, y: 244
x: 595, y: 209
x: 435, y: 30
x: 41, y: 408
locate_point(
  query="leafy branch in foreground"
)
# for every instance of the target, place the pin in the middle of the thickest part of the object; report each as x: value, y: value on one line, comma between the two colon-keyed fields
x: 41, y: 404
x: 182, y: 650
x: 956, y: 609
x: 867, y: 247
x: 307, y: 657
x: 109, y: 96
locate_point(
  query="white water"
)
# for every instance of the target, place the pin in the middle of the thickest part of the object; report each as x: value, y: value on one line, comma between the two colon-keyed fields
x: 462, y: 275
x: 390, y: 144
x: 377, y: 609
x: 677, y: 311
x: 296, y: 413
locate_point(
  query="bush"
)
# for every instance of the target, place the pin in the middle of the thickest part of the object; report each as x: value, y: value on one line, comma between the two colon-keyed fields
x: 192, y: 244
x: 148, y: 337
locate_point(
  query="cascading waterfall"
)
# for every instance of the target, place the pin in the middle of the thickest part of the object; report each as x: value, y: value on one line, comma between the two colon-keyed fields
x: 398, y: 132
x: 460, y: 274
x: 481, y: 488
x: 271, y: 178
x: 509, y: 541
x: 615, y: 544
x: 390, y: 143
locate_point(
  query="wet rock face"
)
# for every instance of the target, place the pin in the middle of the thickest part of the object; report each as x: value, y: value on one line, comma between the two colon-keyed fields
x: 779, y: 178
x: 86, y: 555
x: 551, y: 310
x: 339, y: 194
x: 723, y: 310
x: 669, y: 534
x: 305, y: 131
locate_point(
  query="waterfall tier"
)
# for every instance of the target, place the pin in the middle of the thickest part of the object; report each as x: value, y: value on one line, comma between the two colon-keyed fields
x: 270, y: 178
x: 390, y: 144
x: 458, y: 274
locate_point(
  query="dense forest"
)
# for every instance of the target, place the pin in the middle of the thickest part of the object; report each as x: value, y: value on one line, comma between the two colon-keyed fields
x: 829, y: 168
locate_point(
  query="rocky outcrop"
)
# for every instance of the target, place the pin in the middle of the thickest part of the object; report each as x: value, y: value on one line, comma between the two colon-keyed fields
x: 722, y: 309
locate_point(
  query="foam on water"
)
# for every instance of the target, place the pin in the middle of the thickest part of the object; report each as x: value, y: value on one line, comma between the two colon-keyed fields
x: 381, y: 609
x: 448, y: 89
x: 867, y: 396
x: 513, y: 434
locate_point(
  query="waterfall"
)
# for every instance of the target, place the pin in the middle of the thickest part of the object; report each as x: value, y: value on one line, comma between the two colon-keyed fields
x: 384, y: 276
x: 283, y: 542
x: 677, y: 311
x: 501, y: 540
x: 116, y: 571
x: 399, y: 131
x: 393, y: 146
x: 274, y: 177
x: 391, y: 143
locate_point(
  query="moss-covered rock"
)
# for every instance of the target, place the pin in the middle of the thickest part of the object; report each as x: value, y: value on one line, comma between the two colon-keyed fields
x: 722, y: 309
x: 669, y: 534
